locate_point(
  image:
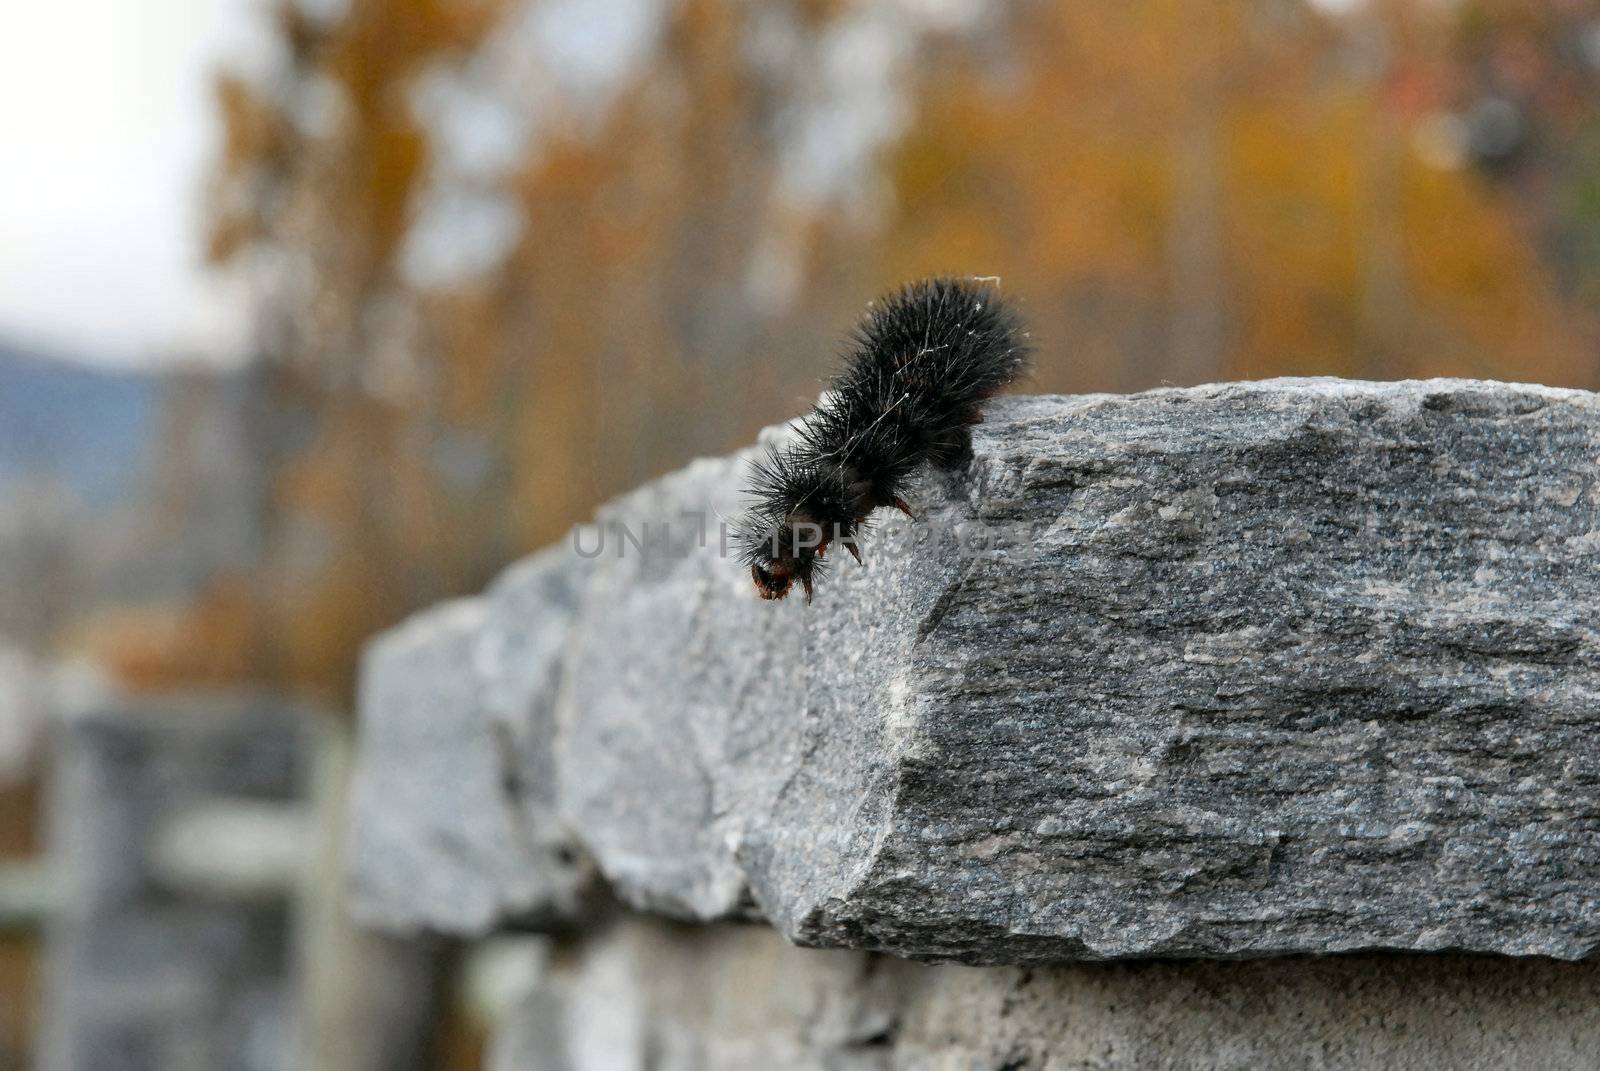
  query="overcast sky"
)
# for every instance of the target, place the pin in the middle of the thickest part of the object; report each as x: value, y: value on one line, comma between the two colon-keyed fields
x: 106, y: 128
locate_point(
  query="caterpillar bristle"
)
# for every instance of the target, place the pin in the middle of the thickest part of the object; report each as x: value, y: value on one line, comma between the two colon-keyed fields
x: 916, y: 372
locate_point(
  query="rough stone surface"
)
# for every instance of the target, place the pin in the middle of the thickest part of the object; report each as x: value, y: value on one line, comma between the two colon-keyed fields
x: 1254, y: 669
x: 518, y: 660
x: 648, y: 994
x: 444, y: 840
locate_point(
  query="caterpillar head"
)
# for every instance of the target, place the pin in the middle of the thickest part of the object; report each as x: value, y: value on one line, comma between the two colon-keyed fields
x: 802, y: 506
x: 776, y: 563
x: 774, y: 580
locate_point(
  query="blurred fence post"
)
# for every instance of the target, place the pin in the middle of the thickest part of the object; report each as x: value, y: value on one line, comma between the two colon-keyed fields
x: 365, y: 1000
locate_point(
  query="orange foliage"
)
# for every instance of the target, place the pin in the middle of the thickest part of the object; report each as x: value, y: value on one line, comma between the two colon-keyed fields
x: 212, y: 641
x: 1144, y: 143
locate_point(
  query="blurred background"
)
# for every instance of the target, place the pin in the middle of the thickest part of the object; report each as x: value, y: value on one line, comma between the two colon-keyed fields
x: 314, y: 312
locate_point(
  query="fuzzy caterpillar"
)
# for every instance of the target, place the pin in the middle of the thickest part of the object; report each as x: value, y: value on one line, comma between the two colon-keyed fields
x: 915, y: 373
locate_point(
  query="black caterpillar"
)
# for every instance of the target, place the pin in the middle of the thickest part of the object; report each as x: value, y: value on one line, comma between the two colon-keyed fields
x: 915, y: 373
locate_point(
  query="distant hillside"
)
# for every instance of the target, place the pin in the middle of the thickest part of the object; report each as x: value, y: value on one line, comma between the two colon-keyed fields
x: 92, y: 429
x: 119, y: 491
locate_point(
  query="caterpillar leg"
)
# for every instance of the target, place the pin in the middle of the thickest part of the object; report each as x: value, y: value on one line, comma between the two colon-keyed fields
x: 900, y: 504
x: 805, y: 581
x: 855, y: 551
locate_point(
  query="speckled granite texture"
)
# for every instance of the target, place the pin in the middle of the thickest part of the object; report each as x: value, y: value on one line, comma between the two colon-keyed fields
x: 1232, y: 671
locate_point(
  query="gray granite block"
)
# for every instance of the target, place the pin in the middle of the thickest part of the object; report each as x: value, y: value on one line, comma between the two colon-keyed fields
x: 1240, y: 670
x: 444, y: 838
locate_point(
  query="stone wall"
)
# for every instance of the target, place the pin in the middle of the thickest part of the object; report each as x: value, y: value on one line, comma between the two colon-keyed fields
x: 648, y: 994
x: 1274, y: 669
